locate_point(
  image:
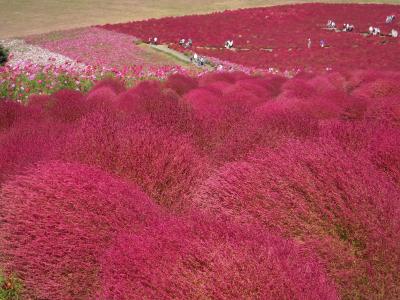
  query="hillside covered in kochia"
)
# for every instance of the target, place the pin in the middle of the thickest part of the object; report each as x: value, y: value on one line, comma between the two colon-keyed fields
x: 221, y: 186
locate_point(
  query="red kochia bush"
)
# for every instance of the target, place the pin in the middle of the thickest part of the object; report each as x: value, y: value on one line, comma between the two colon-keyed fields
x: 203, y: 259
x: 217, y: 76
x: 267, y: 126
x: 378, y: 89
x: 181, y: 84
x: 10, y: 111
x: 336, y: 203
x: 217, y: 112
x: 115, y: 85
x: 28, y: 142
x: 100, y: 99
x: 68, y: 106
x: 165, y: 165
x: 379, y: 142
x: 162, y: 106
x: 58, y: 219
x: 385, y: 110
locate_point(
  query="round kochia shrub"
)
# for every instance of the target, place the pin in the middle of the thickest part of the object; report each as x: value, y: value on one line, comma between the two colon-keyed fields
x: 163, y: 106
x: 339, y: 205
x: 58, y: 219
x: 197, y: 258
x: 27, y: 142
x: 267, y: 126
x: 165, y: 165
x: 181, y: 84
x: 10, y: 112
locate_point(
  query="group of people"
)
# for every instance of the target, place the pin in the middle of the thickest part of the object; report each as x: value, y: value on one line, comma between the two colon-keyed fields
x: 374, y: 30
x: 331, y: 24
x: 185, y: 44
x: 322, y: 43
x: 348, y: 27
x: 153, y: 41
x: 198, y: 60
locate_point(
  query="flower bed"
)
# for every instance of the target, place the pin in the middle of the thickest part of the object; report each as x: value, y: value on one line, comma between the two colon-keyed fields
x: 99, y: 47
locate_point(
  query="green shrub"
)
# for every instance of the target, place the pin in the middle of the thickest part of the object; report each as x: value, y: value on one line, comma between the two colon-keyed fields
x: 3, y: 55
x: 10, y: 287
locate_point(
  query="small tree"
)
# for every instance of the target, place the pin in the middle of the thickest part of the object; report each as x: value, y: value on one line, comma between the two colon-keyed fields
x: 3, y: 55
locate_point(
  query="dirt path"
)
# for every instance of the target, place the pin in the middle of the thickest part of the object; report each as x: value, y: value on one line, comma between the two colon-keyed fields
x: 177, y: 55
x: 25, y: 17
x: 170, y: 52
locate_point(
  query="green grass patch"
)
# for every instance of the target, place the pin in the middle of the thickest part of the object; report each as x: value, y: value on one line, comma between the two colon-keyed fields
x: 10, y: 287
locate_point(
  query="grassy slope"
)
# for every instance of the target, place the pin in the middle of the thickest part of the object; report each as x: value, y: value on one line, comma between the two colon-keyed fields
x: 21, y: 17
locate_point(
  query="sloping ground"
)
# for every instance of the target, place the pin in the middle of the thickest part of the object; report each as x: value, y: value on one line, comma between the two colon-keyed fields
x: 99, y: 47
x: 255, y: 188
x: 23, y: 17
x: 22, y: 51
x: 277, y: 36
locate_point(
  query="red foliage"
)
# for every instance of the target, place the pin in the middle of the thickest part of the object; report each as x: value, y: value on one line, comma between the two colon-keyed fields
x: 10, y: 111
x: 163, y: 164
x: 210, y: 78
x: 277, y: 36
x: 385, y: 110
x: 163, y: 107
x: 336, y: 203
x: 312, y: 160
x: 58, y: 219
x: 268, y: 126
x: 68, y: 106
x: 115, y: 85
x: 379, y: 88
x: 101, y: 98
x: 377, y: 141
x: 181, y: 84
x: 204, y: 259
x: 26, y: 143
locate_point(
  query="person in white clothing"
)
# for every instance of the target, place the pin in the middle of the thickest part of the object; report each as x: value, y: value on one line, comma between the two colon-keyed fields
x: 371, y: 30
x: 390, y: 19
x: 229, y: 44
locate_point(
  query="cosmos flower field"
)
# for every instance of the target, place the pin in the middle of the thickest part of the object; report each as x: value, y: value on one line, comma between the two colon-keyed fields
x: 130, y: 180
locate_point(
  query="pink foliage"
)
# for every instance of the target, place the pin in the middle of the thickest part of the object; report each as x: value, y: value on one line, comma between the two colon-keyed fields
x: 379, y: 88
x: 181, y: 84
x: 163, y: 107
x: 100, y: 97
x: 267, y: 126
x: 115, y: 85
x: 163, y: 164
x: 200, y: 258
x: 336, y: 203
x: 10, y: 111
x: 68, y: 106
x: 302, y: 173
x: 98, y: 47
x: 57, y: 220
x: 26, y: 143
